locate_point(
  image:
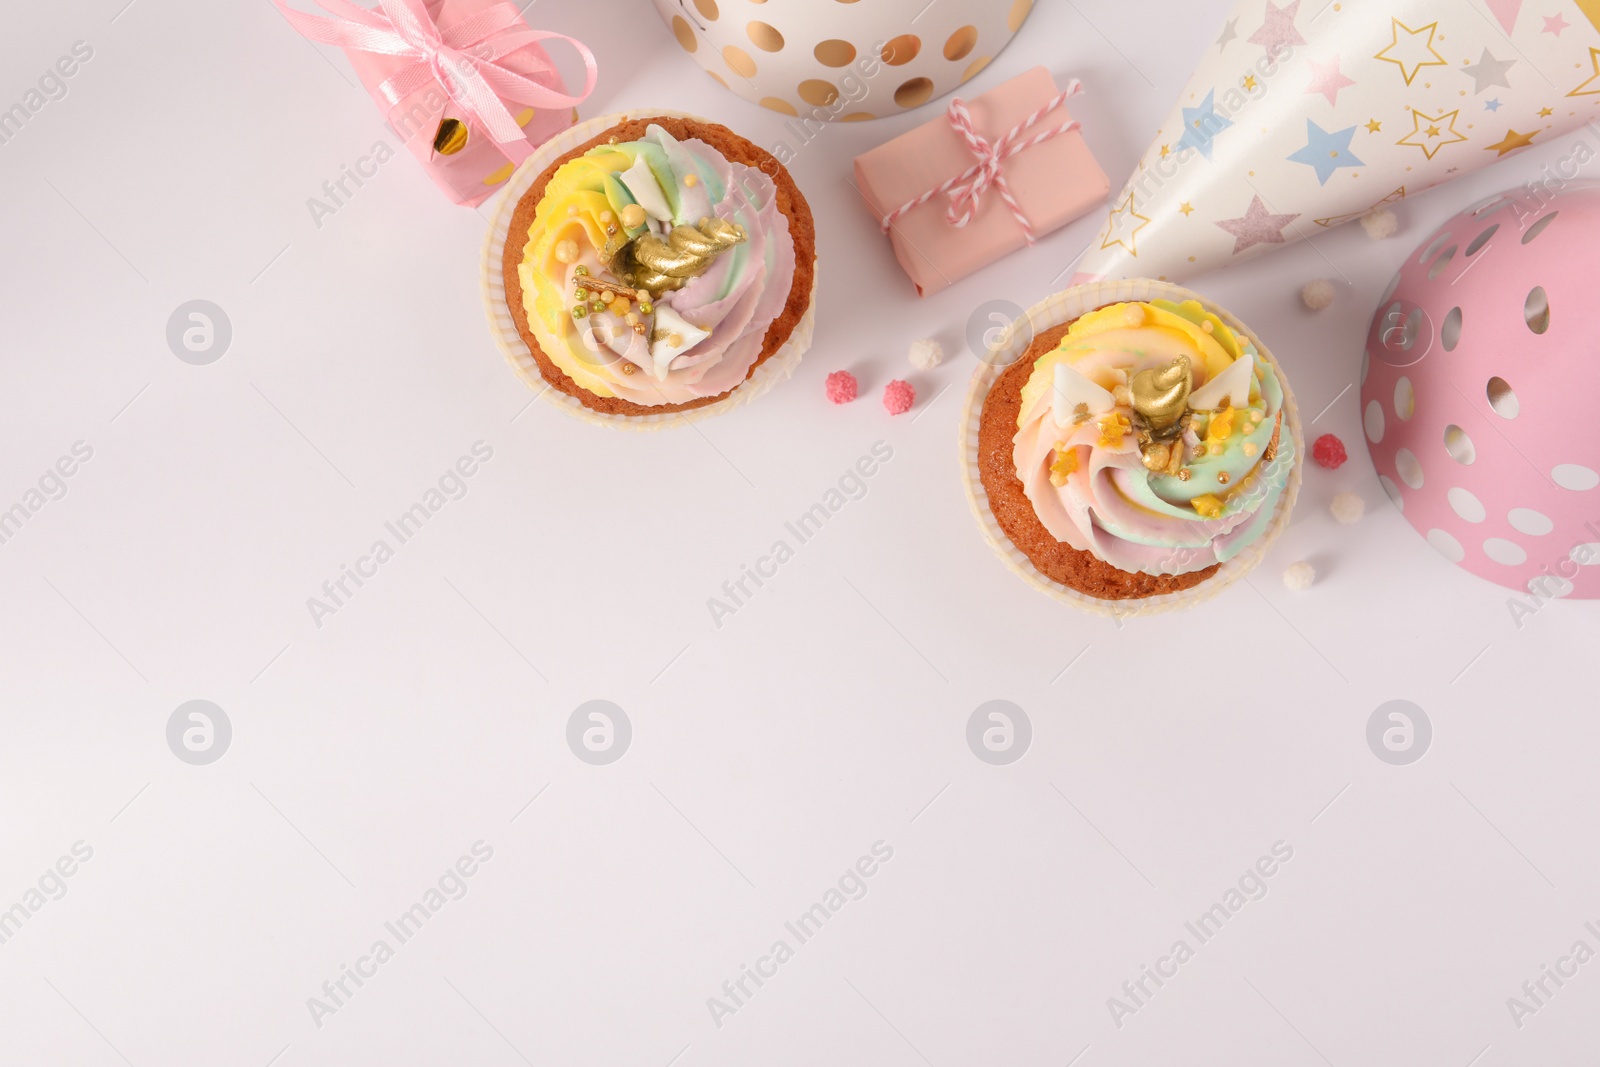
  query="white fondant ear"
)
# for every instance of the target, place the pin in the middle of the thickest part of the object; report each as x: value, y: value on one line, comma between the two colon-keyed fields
x: 668, y: 325
x: 1071, y: 389
x: 642, y: 184
x: 1233, y: 383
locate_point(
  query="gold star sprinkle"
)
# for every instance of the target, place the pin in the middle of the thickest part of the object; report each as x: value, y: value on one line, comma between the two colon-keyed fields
x: 1187, y: 208
x: 1065, y: 464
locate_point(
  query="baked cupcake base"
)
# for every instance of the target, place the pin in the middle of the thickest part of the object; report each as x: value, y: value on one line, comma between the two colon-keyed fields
x: 1072, y: 567
x: 1006, y: 516
x: 787, y: 338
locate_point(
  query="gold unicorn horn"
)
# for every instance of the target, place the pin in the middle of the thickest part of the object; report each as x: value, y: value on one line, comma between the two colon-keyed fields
x: 1160, y: 393
x: 688, y: 252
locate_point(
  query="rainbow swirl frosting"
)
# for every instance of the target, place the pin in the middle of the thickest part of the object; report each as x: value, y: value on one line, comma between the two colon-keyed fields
x: 679, y: 345
x: 1105, y: 476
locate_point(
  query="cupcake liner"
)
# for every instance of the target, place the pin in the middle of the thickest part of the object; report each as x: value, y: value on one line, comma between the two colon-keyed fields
x: 1013, y: 343
x: 777, y: 367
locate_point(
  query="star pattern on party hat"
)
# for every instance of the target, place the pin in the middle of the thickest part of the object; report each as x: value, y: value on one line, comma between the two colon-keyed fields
x: 1464, y: 71
x: 1121, y: 225
x: 1277, y: 32
x: 1488, y: 71
x: 1327, y: 79
x: 1583, y: 88
x: 1338, y: 220
x: 1410, y: 51
x: 1326, y: 152
x: 1511, y: 142
x: 1257, y: 226
x: 1229, y: 33
x: 1202, y: 124
x: 1429, y: 132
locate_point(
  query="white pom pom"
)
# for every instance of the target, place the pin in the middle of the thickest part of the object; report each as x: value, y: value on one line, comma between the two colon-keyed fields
x: 1299, y: 576
x: 926, y: 354
x: 1318, y: 294
x: 1380, y: 223
x: 1348, y: 507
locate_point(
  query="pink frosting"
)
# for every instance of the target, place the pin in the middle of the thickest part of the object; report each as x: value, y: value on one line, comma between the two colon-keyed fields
x: 736, y: 300
x: 1112, y: 507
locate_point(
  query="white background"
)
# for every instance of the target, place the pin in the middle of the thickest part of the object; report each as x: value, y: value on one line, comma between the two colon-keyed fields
x: 1168, y: 754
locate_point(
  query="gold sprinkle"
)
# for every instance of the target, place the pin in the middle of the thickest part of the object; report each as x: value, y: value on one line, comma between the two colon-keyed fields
x: 1222, y: 476
x: 1080, y: 414
x: 675, y: 339
x: 627, y: 368
x: 1184, y: 474
x: 611, y: 230
x: 1156, y: 456
x: 638, y: 327
x: 633, y: 216
x: 1066, y: 462
x: 691, y: 180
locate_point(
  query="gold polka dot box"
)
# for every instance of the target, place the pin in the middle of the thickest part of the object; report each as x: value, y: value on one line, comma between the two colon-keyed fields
x: 843, y: 60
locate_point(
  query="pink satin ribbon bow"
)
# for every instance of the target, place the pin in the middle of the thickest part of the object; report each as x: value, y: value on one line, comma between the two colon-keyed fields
x: 463, y: 57
x: 968, y: 188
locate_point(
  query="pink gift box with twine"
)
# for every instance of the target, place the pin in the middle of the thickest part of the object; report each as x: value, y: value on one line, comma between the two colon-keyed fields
x: 465, y: 84
x: 986, y: 178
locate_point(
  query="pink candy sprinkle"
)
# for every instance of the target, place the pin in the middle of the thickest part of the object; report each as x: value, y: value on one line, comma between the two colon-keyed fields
x: 1329, y: 452
x: 898, y: 396
x: 841, y: 387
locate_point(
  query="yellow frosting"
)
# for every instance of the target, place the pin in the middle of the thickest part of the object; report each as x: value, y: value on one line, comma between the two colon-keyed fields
x: 574, y: 199
x: 613, y: 331
x: 1158, y: 328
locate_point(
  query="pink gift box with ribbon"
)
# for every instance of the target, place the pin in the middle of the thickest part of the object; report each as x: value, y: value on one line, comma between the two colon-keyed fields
x: 984, y: 179
x: 466, y: 84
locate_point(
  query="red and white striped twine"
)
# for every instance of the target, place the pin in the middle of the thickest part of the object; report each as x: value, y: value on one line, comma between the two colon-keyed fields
x: 967, y: 189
